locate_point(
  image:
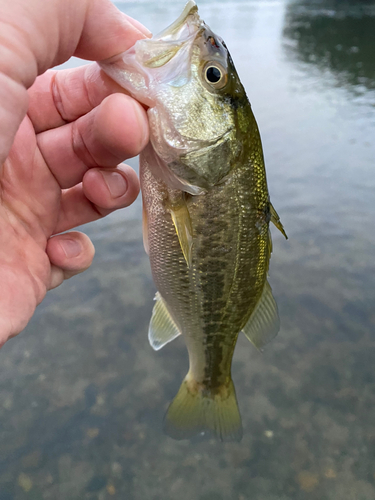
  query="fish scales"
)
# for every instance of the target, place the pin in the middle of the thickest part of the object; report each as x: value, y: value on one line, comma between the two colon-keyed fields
x: 214, y: 298
x: 206, y: 215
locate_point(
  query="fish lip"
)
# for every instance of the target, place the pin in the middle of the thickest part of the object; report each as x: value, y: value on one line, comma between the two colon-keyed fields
x: 190, y: 9
x: 184, y: 31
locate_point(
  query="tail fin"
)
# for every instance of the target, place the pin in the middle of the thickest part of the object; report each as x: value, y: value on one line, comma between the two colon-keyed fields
x: 195, y: 410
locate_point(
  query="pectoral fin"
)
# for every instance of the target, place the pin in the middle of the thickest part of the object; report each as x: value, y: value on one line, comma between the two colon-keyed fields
x: 182, y: 223
x: 276, y: 220
x: 264, y: 323
x: 162, y: 328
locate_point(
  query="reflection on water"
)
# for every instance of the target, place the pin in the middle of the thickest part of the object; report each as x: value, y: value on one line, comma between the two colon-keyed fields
x: 82, y: 395
x: 336, y: 35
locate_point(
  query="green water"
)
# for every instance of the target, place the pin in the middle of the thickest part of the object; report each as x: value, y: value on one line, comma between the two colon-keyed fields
x: 82, y: 394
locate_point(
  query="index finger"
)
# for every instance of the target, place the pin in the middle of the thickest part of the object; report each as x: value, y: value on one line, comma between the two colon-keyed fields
x: 61, y: 96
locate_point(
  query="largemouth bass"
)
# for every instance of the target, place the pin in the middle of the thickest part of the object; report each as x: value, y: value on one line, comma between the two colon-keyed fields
x: 206, y: 214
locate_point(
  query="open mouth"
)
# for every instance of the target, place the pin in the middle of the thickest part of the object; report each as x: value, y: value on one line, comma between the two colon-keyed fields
x: 173, y: 30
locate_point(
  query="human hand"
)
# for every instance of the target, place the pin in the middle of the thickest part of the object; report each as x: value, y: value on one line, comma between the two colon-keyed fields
x: 59, y: 163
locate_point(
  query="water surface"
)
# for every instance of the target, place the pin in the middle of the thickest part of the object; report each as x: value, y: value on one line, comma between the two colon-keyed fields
x: 82, y: 395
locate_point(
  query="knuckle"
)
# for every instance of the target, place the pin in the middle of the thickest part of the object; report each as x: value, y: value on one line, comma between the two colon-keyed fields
x: 79, y: 145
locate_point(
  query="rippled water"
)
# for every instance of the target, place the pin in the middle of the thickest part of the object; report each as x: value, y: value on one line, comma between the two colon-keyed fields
x: 82, y: 395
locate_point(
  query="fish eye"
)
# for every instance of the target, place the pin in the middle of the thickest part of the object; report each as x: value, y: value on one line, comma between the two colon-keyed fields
x: 215, y: 76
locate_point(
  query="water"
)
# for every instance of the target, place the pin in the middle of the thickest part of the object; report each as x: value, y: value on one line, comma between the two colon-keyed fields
x: 82, y: 395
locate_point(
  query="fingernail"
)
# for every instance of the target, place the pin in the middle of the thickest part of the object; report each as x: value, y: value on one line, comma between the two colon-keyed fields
x: 142, y: 121
x: 72, y: 248
x: 116, y: 183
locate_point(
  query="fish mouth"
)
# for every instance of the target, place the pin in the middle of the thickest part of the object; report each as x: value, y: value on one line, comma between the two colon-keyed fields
x: 157, y: 51
x: 144, y: 66
x: 173, y: 30
x: 166, y: 44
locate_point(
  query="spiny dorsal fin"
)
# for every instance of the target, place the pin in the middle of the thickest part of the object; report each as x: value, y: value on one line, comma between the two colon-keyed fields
x: 182, y: 223
x: 263, y: 324
x: 162, y: 328
x: 276, y: 220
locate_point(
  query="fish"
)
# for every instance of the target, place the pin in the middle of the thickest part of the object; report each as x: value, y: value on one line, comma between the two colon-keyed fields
x: 206, y: 215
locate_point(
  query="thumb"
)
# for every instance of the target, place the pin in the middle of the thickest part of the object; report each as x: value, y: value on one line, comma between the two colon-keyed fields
x: 70, y: 254
x: 36, y: 38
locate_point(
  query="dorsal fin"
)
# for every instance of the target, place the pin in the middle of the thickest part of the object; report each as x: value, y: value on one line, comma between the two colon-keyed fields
x: 264, y: 323
x: 277, y: 222
x: 162, y: 328
x: 182, y: 223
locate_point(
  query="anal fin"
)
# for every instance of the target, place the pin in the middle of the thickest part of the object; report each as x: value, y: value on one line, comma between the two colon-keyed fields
x: 162, y: 328
x: 264, y: 323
